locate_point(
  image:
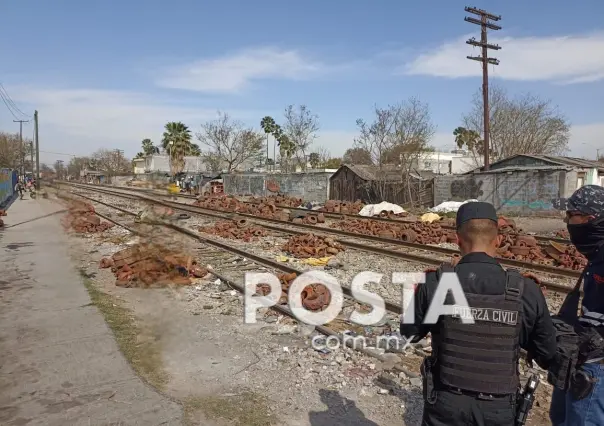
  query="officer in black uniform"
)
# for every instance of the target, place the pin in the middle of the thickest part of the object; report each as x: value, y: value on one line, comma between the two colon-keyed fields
x: 471, y: 378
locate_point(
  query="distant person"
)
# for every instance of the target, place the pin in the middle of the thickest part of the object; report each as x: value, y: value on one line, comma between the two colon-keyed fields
x: 19, y: 189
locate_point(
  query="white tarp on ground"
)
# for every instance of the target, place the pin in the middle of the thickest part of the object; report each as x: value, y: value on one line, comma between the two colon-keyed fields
x: 450, y: 206
x: 375, y: 209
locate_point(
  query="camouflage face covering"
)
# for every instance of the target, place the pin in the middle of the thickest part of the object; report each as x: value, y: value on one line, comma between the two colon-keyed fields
x: 588, y: 199
x: 588, y: 237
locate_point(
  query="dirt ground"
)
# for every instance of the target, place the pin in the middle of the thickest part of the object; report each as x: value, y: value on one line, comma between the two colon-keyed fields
x: 229, y: 373
x: 192, y: 345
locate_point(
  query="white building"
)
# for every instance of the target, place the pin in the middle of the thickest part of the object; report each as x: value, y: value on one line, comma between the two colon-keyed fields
x: 193, y: 165
x: 443, y: 163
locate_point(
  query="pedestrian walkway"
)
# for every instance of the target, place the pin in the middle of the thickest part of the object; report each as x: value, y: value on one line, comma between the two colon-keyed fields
x: 59, y: 362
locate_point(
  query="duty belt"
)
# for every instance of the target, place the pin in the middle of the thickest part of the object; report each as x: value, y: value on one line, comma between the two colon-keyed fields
x: 477, y: 395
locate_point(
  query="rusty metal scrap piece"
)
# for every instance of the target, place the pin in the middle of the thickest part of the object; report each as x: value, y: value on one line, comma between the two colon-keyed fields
x: 310, y: 245
x: 336, y: 206
x: 315, y: 297
x: 146, y: 265
x: 514, y: 245
x: 239, y: 229
x: 82, y: 219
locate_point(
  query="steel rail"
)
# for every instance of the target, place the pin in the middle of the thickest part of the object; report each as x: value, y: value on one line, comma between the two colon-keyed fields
x: 379, y: 250
x: 267, y: 262
x: 553, y: 270
x: 541, y: 238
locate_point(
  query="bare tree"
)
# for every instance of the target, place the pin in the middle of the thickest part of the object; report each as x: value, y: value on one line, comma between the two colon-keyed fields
x: 229, y: 143
x: 399, y: 135
x: 324, y: 156
x: 378, y: 137
x: 301, y: 127
x: 357, y: 156
x: 12, y: 152
x: 521, y: 125
x: 76, y: 165
x: 111, y: 162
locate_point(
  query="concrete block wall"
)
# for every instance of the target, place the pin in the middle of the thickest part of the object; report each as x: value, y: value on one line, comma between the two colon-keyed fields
x: 521, y: 192
x: 313, y: 186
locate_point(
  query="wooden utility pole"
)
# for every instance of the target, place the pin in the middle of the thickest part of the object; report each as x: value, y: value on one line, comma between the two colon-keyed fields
x: 483, y: 43
x: 21, y: 147
x: 37, y: 151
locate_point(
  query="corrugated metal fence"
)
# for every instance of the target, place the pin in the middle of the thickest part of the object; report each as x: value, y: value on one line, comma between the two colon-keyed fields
x: 8, y: 180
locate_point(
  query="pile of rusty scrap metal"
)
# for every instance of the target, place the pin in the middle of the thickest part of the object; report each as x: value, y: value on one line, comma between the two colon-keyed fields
x: 81, y: 217
x: 278, y: 200
x: 336, y: 206
x: 231, y: 204
x: 147, y: 265
x: 308, y: 217
x: 412, y: 232
x: 315, y: 297
x: 310, y: 245
x: 566, y: 255
x: 239, y: 229
x: 513, y: 245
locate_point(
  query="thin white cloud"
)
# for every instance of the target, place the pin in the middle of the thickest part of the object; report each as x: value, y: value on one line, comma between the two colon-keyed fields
x: 562, y: 59
x: 232, y: 73
x: 80, y: 121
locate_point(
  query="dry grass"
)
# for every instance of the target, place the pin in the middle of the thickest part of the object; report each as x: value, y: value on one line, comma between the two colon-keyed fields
x: 244, y: 409
x: 141, y: 350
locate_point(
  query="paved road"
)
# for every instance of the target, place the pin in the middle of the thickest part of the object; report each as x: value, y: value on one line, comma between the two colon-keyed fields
x: 59, y: 363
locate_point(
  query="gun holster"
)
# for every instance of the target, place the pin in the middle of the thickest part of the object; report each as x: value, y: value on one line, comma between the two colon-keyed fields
x: 429, y: 392
x: 581, y: 385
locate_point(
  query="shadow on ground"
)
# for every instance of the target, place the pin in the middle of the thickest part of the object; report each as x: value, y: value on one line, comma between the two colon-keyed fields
x: 343, y: 411
x: 340, y: 411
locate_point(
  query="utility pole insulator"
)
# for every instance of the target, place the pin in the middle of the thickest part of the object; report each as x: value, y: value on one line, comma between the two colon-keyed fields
x: 485, y: 60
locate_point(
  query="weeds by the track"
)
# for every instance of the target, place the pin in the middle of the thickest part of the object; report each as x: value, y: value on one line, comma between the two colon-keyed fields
x: 244, y: 409
x: 143, y: 354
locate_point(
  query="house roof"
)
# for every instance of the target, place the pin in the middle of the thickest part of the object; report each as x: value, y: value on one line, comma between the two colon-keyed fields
x: 554, y: 160
x: 387, y: 173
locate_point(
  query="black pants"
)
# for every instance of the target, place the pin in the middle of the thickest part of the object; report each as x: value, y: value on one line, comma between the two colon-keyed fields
x: 452, y: 409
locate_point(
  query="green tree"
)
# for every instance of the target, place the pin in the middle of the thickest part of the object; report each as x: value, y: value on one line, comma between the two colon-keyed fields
x: 176, y: 141
x: 359, y: 156
x: 468, y: 139
x: 333, y: 163
x: 314, y: 159
x: 269, y: 126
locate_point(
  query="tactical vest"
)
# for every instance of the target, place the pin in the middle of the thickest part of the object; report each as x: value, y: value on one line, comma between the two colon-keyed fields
x: 483, y: 357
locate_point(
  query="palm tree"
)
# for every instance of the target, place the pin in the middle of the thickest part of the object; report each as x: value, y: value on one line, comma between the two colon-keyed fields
x: 269, y: 126
x: 177, y: 141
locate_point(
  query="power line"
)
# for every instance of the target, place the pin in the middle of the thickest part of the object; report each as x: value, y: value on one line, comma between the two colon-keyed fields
x: 10, y: 104
x: 15, y: 116
x: 483, y: 43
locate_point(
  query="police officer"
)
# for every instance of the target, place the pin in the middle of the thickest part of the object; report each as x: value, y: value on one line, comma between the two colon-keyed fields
x: 583, y: 404
x: 474, y: 367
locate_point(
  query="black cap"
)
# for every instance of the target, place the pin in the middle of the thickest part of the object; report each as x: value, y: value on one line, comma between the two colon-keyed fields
x: 475, y: 210
x: 588, y: 199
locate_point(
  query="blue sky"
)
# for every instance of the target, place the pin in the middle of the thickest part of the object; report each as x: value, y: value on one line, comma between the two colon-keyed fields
x: 107, y: 74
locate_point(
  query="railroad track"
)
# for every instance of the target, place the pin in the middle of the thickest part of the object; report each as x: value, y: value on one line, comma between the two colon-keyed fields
x: 232, y: 272
x: 393, y: 248
x: 542, y: 239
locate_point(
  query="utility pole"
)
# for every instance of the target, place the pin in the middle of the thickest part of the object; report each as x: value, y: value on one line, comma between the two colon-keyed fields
x: 22, y: 150
x: 119, y: 153
x: 483, y: 43
x: 37, y: 151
